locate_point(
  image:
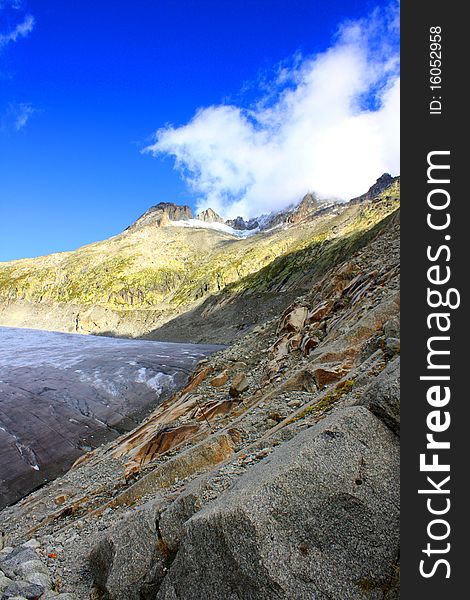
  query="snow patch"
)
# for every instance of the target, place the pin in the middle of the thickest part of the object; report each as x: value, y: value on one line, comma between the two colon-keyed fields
x: 198, y: 224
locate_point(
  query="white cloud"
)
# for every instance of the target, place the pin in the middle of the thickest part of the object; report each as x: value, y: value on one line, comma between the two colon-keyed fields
x: 328, y: 123
x: 24, y: 110
x: 21, y: 30
x: 16, y: 116
x: 14, y: 4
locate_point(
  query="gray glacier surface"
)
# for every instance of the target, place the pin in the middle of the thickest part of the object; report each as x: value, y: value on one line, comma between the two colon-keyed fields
x: 64, y: 394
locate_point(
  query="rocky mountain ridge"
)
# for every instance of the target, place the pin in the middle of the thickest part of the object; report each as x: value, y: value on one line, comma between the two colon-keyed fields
x: 153, y: 274
x: 274, y: 473
x: 164, y: 212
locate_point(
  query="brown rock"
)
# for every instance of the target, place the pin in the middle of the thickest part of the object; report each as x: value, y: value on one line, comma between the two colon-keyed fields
x: 308, y: 343
x: 239, y: 385
x: 238, y: 366
x: 324, y: 376
x: 214, y: 409
x: 164, y: 440
x: 320, y: 311
x: 293, y: 318
x: 60, y: 499
x: 220, y: 379
x: 294, y: 342
x: 280, y: 348
x: 272, y: 368
x: 197, y: 379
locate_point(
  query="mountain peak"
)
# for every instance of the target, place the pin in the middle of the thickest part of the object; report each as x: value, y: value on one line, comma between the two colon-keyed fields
x: 240, y: 224
x: 161, y: 214
x: 209, y: 216
x: 382, y: 183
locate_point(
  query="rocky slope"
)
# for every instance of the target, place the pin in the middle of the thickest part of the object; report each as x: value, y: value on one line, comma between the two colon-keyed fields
x: 156, y: 272
x: 274, y: 474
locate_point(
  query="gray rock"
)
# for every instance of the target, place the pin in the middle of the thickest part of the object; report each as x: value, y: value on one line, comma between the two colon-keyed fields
x: 11, y: 562
x: 392, y: 328
x: 32, y: 543
x: 30, y: 591
x: 392, y: 346
x: 128, y: 561
x: 172, y: 520
x: 42, y: 579
x: 382, y: 395
x: 318, y: 518
x: 31, y: 566
x: 4, y: 582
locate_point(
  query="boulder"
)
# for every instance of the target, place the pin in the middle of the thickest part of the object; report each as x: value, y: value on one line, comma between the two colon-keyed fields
x: 213, y: 409
x: 320, y: 311
x: 34, y: 571
x: 392, y: 328
x: 127, y: 561
x: 239, y: 385
x: 293, y: 319
x: 30, y: 591
x: 318, y: 518
x: 183, y: 508
x: 382, y: 395
x: 11, y: 563
x: 324, y: 376
x: 392, y: 346
x: 4, y: 582
x: 220, y: 379
x: 164, y: 439
x: 308, y: 343
x: 301, y: 381
x: 32, y: 566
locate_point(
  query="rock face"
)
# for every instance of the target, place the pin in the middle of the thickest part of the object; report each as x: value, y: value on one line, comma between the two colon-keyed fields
x: 209, y: 216
x: 162, y: 213
x: 241, y: 225
x: 300, y: 524
x: 308, y: 205
x: 129, y: 562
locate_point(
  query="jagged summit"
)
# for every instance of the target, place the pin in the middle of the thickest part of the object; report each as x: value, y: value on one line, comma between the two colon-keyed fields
x: 240, y: 224
x: 161, y: 214
x: 168, y: 213
x: 382, y: 183
x: 308, y: 205
x: 209, y: 216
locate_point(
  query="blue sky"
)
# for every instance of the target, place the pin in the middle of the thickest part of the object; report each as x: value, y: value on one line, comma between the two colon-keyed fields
x: 84, y: 86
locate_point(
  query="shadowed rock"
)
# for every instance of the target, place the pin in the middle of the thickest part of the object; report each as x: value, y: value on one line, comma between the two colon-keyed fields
x: 382, y: 396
